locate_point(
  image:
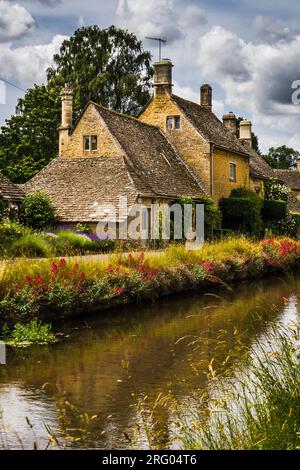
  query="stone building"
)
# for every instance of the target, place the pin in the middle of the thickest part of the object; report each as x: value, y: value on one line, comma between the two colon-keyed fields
x: 11, y: 195
x: 174, y: 148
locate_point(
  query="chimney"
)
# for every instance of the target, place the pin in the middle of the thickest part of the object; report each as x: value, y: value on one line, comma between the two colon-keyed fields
x: 206, y: 96
x: 246, y: 132
x: 66, y: 95
x: 298, y: 164
x: 230, y: 122
x: 162, y: 81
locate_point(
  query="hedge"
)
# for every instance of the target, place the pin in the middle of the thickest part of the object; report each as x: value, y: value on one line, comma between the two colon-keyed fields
x: 241, y: 214
x: 274, y: 210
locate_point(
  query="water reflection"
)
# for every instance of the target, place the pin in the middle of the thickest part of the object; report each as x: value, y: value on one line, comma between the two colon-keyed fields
x: 110, y: 361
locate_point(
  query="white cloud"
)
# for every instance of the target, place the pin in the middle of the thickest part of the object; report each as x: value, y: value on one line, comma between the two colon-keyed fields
x: 27, y: 65
x: 158, y: 18
x: 15, y: 21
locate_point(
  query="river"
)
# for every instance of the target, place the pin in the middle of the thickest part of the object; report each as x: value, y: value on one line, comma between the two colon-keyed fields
x: 106, y: 364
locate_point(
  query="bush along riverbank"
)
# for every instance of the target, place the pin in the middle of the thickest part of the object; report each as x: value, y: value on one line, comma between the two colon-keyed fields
x: 50, y: 290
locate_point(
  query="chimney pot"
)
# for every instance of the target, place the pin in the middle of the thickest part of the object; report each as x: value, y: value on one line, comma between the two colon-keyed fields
x: 246, y: 132
x: 206, y: 96
x: 162, y: 80
x: 230, y: 122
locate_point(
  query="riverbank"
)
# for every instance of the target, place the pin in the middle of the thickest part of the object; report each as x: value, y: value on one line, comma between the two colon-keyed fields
x: 55, y: 289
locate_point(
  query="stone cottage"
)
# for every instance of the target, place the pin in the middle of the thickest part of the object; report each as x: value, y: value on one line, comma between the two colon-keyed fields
x: 11, y: 194
x: 174, y: 148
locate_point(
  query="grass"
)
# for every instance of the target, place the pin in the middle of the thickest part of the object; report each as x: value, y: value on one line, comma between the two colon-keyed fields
x: 34, y: 332
x: 252, y: 405
x: 69, y: 286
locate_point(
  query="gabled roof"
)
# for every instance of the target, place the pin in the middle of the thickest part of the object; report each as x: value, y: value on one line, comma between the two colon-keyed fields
x: 150, y: 156
x: 9, y: 190
x: 290, y: 177
x: 209, y: 126
x: 147, y: 166
x: 259, y: 168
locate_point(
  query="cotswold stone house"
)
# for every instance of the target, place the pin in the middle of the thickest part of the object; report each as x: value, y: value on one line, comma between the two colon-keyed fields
x: 11, y: 194
x: 175, y: 148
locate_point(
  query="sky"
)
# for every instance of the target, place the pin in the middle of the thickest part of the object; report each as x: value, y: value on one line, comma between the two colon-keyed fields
x: 248, y: 50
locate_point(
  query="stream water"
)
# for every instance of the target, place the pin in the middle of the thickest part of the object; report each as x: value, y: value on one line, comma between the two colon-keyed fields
x: 106, y: 363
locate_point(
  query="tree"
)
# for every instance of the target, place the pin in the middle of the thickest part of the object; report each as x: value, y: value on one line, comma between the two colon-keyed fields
x: 108, y: 66
x: 37, y: 211
x: 29, y: 139
x: 282, y: 157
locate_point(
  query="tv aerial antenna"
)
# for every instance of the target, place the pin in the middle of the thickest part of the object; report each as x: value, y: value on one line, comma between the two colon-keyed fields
x: 160, y: 41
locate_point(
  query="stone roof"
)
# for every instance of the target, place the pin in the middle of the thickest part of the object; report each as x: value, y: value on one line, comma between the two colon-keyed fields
x: 293, y: 203
x: 148, y: 166
x: 290, y: 177
x: 209, y: 126
x: 259, y: 168
x: 9, y: 190
x: 151, y: 157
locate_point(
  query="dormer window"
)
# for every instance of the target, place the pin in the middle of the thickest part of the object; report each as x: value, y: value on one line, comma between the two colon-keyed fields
x: 173, y: 122
x: 90, y: 142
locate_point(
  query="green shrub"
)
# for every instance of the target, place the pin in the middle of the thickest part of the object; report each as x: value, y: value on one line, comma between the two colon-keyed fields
x: 83, y: 228
x: 68, y: 242
x: 31, y: 245
x: 274, y: 210
x: 275, y: 191
x: 37, y: 211
x: 3, y: 207
x: 286, y: 226
x: 33, y: 332
x: 9, y: 233
x: 241, y: 215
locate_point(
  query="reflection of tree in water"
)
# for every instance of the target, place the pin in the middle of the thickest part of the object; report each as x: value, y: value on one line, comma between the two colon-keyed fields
x: 164, y: 347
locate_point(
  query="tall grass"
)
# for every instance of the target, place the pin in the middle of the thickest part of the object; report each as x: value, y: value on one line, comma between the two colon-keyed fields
x: 252, y: 405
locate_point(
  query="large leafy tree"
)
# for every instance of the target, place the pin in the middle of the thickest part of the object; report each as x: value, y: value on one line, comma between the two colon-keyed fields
x: 29, y: 139
x: 282, y: 157
x: 108, y: 66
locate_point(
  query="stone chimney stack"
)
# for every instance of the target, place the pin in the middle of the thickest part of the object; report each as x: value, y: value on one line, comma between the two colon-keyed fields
x: 298, y: 164
x: 206, y: 96
x: 246, y: 132
x: 66, y: 95
x: 162, y: 82
x: 230, y: 122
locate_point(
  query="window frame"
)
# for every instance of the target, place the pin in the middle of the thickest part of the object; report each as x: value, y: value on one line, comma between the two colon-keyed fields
x: 232, y: 165
x: 96, y: 139
x: 86, y: 139
x: 175, y: 121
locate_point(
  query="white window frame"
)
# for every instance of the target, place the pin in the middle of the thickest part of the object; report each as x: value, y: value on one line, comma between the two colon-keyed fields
x: 232, y: 165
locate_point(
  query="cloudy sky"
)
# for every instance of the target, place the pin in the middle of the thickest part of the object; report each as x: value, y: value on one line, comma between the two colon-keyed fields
x: 248, y: 50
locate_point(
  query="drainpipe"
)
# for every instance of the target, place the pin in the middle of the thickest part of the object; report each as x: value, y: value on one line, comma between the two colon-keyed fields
x: 211, y: 169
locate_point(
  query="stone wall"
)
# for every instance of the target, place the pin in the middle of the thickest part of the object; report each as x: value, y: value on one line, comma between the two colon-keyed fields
x: 222, y: 183
x: 91, y: 123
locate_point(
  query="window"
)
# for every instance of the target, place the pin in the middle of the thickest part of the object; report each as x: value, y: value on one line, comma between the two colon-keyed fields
x: 173, y: 122
x: 90, y: 142
x: 232, y: 171
x: 86, y: 142
x: 94, y: 142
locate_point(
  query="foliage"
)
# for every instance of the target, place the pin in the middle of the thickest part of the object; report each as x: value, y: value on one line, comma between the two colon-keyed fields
x: 30, y: 288
x: 29, y: 140
x: 108, y: 66
x: 26, y: 334
x: 37, y: 211
x: 275, y: 191
x: 84, y: 228
x: 242, y: 212
x: 256, y: 406
x: 274, y: 210
x: 212, y: 214
x: 282, y: 157
x: 284, y: 227
x: 3, y: 207
x: 31, y: 245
